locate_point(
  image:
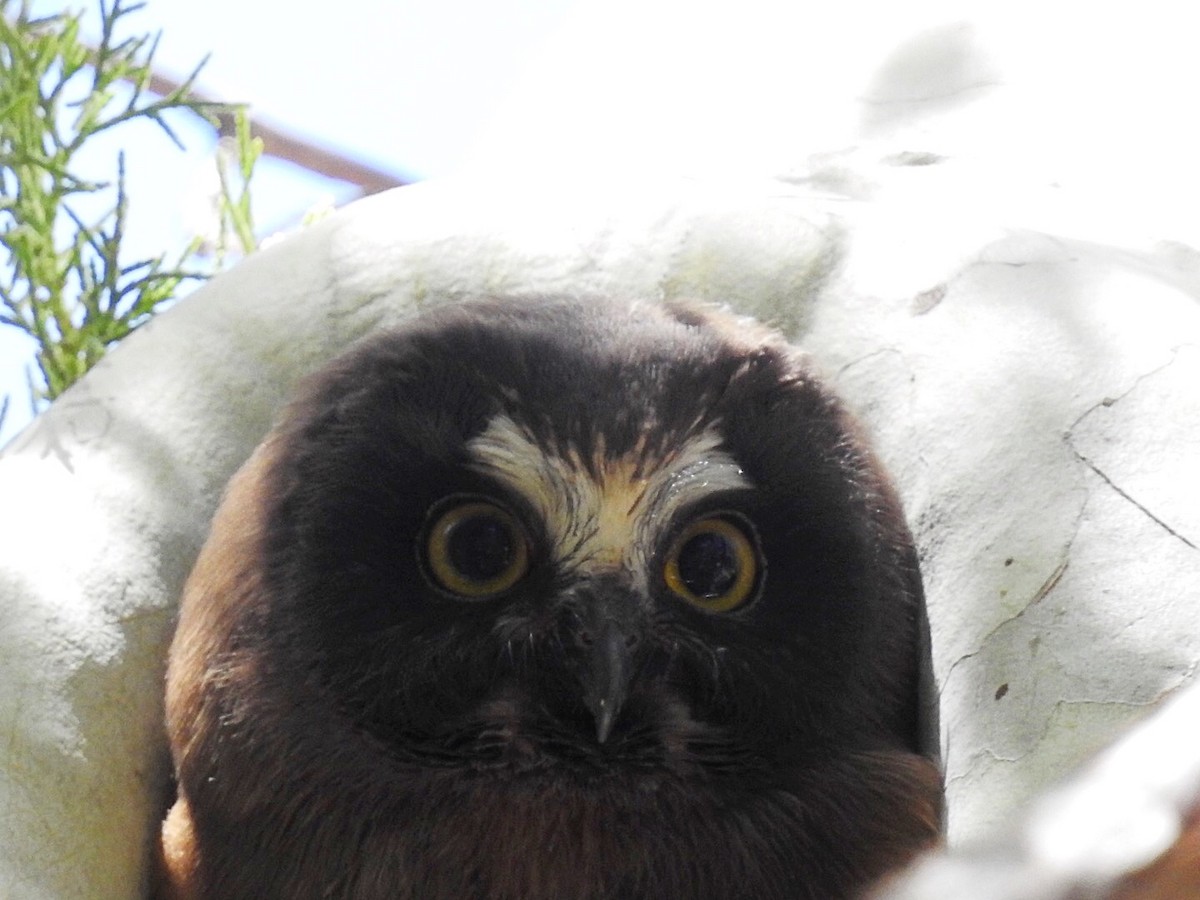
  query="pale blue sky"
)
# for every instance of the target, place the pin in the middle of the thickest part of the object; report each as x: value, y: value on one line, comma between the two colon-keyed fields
x: 406, y: 86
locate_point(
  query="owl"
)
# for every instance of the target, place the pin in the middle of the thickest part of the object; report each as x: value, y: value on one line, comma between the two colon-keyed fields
x: 553, y: 598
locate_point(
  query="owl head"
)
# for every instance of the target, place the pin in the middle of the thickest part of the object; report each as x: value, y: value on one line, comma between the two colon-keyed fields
x: 554, y: 598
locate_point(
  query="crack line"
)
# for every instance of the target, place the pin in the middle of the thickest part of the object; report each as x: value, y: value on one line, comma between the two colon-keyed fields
x: 1069, y: 439
x: 1167, y: 528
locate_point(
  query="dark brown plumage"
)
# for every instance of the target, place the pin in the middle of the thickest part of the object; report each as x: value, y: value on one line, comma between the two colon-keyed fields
x: 553, y: 599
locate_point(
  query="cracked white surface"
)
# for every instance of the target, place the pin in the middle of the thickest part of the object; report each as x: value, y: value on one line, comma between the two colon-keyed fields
x: 1042, y: 419
x: 1082, y: 837
x: 1020, y: 335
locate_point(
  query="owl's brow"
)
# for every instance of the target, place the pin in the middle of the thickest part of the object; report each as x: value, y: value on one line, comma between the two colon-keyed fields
x: 606, y: 511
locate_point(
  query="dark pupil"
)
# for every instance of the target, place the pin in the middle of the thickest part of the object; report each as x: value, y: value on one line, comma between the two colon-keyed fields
x: 708, y: 565
x: 481, y: 548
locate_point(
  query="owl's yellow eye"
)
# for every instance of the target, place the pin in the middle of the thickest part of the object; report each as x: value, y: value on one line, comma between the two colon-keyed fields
x: 476, y: 549
x: 713, y: 564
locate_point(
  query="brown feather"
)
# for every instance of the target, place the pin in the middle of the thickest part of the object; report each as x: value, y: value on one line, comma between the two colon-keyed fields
x: 342, y: 729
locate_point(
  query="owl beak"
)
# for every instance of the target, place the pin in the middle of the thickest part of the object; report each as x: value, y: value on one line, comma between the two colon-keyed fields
x: 609, y: 621
x: 607, y: 674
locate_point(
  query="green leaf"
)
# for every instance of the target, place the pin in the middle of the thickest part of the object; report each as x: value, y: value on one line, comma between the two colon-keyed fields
x: 63, y: 280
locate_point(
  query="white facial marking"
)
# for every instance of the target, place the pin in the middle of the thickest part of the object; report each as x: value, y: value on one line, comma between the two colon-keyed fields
x: 605, y: 513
